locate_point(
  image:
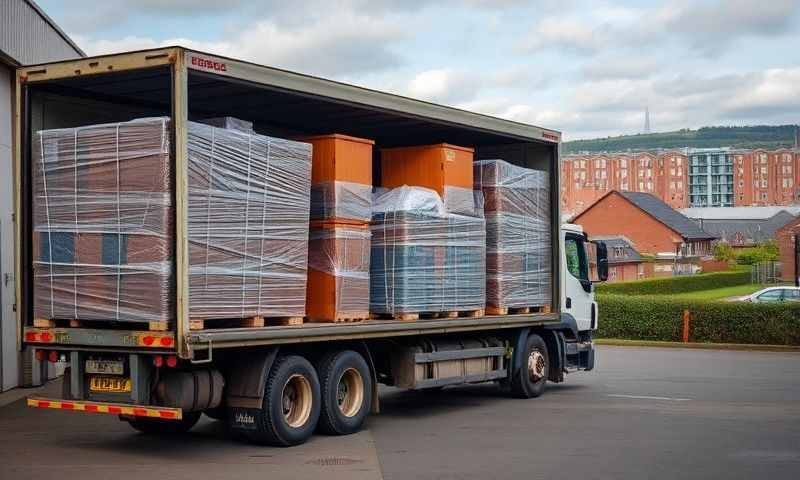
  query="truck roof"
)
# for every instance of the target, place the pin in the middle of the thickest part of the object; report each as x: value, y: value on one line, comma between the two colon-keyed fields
x: 297, y: 82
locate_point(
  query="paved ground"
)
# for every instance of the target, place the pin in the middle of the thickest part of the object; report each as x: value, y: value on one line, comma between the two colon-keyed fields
x: 645, y: 413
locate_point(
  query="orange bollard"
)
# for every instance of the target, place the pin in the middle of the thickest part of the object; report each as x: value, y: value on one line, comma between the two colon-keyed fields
x: 686, y: 319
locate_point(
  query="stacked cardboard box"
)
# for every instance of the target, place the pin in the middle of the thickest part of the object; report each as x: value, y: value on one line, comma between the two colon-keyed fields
x: 103, y: 222
x: 518, y: 246
x: 341, y: 202
x: 248, y: 224
x: 424, y: 258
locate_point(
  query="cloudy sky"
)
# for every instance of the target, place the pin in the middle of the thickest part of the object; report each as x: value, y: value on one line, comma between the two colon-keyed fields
x: 587, y: 68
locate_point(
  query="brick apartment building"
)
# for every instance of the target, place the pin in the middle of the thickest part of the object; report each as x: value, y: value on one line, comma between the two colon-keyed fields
x: 721, y: 177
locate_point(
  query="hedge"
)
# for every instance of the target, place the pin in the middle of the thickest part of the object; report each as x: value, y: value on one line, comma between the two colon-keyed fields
x: 674, y: 285
x: 661, y: 318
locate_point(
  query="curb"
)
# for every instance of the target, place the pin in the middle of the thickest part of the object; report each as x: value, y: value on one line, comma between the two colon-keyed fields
x: 617, y: 342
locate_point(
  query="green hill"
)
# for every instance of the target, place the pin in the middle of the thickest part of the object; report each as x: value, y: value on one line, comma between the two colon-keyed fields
x: 758, y: 136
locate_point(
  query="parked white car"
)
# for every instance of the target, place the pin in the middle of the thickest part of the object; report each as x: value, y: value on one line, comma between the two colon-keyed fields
x: 773, y: 294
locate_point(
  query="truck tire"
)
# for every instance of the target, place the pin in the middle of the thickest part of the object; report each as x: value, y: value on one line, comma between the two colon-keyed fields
x: 290, y: 410
x: 531, y: 377
x: 346, y: 386
x: 157, y: 426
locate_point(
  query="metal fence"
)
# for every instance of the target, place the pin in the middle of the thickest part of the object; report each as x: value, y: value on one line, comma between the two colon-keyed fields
x: 765, y: 272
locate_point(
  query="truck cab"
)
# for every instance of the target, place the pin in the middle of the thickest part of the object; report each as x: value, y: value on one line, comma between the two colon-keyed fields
x: 583, y: 263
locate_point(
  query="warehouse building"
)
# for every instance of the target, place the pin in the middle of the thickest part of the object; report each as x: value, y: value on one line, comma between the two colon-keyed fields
x: 27, y: 36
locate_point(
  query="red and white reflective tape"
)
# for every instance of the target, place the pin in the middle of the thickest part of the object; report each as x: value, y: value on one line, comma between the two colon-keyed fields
x: 110, y: 408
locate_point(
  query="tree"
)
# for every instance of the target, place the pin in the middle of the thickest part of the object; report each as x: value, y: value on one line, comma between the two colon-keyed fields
x: 724, y: 252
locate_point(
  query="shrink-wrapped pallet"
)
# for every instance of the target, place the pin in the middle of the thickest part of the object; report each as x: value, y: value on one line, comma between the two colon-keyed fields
x: 103, y: 222
x: 518, y: 244
x: 424, y: 259
x: 341, y: 178
x: 338, y: 272
x: 248, y: 224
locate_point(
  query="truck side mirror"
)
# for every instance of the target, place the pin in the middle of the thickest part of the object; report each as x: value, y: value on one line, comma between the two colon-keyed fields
x: 602, y: 261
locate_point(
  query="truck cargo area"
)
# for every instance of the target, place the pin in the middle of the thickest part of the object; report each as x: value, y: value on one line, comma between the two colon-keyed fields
x: 122, y: 88
x: 166, y: 354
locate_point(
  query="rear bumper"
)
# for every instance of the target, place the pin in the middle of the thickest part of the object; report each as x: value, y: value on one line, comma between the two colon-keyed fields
x: 165, y: 413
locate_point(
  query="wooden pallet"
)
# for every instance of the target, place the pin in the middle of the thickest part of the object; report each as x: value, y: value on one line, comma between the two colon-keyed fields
x: 490, y: 310
x: 248, y: 322
x: 344, y: 317
x: 156, y: 326
x: 405, y: 317
x: 408, y: 317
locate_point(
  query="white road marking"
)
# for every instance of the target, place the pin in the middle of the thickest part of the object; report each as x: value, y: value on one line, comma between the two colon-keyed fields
x: 649, y: 397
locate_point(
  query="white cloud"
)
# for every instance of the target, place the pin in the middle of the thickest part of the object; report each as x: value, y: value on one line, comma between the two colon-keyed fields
x: 564, y: 33
x: 336, y: 45
x: 709, y: 28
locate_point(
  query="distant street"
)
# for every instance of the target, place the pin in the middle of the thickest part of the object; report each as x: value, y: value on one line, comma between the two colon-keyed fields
x: 645, y: 413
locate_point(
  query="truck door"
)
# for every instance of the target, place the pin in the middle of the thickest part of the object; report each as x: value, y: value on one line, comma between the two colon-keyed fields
x: 578, y: 297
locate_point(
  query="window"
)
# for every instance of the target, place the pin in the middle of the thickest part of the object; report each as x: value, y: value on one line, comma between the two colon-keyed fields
x: 576, y: 258
x: 791, y: 294
x: 771, y: 295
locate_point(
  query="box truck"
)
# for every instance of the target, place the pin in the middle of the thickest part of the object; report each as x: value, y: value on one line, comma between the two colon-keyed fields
x: 273, y: 382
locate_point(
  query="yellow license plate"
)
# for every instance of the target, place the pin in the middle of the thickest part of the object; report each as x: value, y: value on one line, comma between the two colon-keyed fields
x: 110, y: 384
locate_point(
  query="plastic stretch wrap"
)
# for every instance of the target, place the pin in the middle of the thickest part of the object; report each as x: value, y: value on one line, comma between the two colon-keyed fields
x: 338, y: 262
x: 230, y: 123
x: 463, y: 201
x: 518, y: 244
x: 103, y: 222
x: 248, y: 224
x: 424, y: 259
x: 341, y: 200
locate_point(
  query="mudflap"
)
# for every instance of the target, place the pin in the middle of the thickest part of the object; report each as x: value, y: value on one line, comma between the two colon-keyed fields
x: 244, y: 420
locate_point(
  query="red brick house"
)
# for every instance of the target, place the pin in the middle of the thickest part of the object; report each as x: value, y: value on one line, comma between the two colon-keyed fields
x: 784, y: 237
x: 653, y: 226
x: 624, y: 262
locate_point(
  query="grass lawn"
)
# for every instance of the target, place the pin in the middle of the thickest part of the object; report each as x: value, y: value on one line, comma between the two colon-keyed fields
x: 721, y: 293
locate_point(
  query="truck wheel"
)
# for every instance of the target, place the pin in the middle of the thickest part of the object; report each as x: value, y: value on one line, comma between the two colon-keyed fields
x: 157, y: 426
x: 346, y: 392
x: 530, y: 380
x: 291, y: 403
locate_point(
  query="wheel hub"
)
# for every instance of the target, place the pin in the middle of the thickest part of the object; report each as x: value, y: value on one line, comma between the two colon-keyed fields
x: 296, y: 401
x: 536, y: 366
x: 350, y: 392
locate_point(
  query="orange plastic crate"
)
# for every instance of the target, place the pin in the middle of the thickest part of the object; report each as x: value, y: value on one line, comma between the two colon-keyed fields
x: 430, y: 166
x: 341, y: 158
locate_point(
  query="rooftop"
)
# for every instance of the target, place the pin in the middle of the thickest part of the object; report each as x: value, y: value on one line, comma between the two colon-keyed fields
x: 738, y: 213
x: 620, y: 249
x: 665, y: 214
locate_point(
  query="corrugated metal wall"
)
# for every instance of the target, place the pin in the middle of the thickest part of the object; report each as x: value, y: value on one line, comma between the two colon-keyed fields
x: 28, y: 38
x: 9, y: 359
